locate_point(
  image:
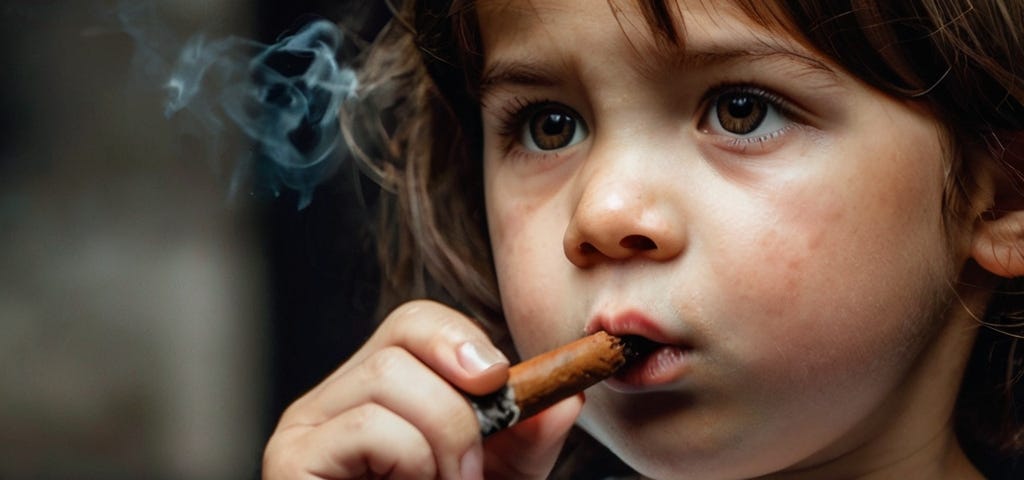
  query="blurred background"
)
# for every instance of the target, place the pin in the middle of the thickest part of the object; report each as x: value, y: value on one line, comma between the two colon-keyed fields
x: 151, y: 324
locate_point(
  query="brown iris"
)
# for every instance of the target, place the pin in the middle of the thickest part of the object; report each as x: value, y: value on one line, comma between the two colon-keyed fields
x: 741, y: 113
x: 552, y: 128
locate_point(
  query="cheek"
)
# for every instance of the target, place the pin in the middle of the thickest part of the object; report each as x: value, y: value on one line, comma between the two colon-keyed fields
x: 520, y: 232
x: 527, y: 242
x: 824, y: 302
x: 843, y: 276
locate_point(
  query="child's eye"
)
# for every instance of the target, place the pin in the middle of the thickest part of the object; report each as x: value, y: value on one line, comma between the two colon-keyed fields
x: 551, y: 126
x: 745, y: 113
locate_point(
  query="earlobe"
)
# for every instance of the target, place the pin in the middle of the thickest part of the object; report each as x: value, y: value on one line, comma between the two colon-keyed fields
x: 998, y: 239
x: 998, y: 244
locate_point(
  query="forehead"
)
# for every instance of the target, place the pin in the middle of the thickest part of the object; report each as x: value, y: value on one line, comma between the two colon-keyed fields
x: 631, y: 28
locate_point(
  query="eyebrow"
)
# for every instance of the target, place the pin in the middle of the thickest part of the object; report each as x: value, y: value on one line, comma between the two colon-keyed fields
x: 530, y: 73
x: 722, y: 55
x: 522, y: 73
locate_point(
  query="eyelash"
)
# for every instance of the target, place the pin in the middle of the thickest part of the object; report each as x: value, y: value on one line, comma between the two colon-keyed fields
x: 514, y: 116
x: 749, y: 88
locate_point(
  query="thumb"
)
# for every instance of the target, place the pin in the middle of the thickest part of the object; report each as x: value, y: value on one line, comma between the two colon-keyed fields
x: 529, y: 449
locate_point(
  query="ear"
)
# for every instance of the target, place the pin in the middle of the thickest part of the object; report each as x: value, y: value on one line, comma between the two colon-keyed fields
x: 998, y: 245
x: 998, y: 239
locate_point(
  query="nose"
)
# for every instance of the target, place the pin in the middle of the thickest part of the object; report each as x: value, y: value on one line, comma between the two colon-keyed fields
x: 619, y: 217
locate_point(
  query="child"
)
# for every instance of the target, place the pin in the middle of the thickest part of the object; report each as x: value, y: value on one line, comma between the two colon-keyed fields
x: 811, y: 208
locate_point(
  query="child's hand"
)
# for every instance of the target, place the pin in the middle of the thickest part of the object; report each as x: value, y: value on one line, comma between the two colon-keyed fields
x: 394, y: 410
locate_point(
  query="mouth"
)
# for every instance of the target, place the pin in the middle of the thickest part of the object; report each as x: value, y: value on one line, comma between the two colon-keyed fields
x: 655, y: 360
x: 652, y: 367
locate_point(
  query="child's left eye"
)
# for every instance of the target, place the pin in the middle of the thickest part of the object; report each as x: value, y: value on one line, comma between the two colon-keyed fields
x: 745, y: 113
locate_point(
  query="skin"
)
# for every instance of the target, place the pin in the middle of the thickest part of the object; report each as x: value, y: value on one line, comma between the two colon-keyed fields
x: 810, y: 271
x: 810, y: 274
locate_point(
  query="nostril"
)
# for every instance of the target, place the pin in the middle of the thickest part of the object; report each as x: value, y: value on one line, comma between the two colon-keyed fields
x: 587, y: 248
x: 637, y: 242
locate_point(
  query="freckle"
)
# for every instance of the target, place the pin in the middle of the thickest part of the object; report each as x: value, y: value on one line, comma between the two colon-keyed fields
x: 767, y: 240
x: 829, y: 217
x: 793, y: 264
x: 815, y: 240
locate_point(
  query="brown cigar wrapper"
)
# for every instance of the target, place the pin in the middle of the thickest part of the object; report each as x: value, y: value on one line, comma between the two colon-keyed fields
x: 542, y: 381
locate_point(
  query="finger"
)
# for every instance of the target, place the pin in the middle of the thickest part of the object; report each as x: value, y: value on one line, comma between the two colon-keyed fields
x: 445, y: 340
x: 369, y: 441
x: 396, y: 380
x: 529, y: 449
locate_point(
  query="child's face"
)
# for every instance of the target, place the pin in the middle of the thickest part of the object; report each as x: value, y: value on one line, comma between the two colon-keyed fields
x: 773, y: 219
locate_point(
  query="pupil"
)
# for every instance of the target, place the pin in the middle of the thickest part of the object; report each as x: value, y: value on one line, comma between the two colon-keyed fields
x: 555, y: 124
x: 551, y: 130
x: 741, y: 107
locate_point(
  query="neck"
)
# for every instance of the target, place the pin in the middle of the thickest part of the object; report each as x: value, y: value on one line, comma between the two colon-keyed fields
x: 938, y: 458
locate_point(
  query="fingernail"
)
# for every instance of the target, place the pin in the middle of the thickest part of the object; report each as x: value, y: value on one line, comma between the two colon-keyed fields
x: 471, y: 466
x: 476, y: 358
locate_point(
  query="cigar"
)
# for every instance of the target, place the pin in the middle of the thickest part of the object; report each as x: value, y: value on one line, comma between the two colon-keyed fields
x: 542, y: 381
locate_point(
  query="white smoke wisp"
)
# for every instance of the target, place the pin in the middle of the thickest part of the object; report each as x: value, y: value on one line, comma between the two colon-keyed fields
x: 285, y: 99
x: 282, y: 99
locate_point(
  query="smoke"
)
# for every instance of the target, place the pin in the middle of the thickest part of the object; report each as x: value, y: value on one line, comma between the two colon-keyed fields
x: 282, y: 99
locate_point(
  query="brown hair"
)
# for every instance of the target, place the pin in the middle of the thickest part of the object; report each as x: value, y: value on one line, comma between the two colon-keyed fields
x: 960, y: 59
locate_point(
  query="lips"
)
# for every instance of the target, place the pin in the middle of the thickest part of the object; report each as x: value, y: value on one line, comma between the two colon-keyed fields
x: 662, y: 360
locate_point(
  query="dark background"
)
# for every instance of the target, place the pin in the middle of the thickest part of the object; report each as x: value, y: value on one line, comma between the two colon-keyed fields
x: 151, y: 326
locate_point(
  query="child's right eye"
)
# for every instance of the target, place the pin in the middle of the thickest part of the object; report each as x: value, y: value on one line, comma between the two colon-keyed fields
x: 547, y: 127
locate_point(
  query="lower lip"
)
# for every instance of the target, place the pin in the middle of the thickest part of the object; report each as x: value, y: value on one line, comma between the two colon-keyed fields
x: 657, y: 370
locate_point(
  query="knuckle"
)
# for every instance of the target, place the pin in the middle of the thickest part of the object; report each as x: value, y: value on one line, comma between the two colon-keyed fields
x: 431, y: 323
x: 364, y: 417
x: 408, y: 317
x: 410, y: 312
x: 300, y: 412
x: 387, y: 362
x: 280, y: 459
x: 407, y: 453
x: 452, y: 329
x: 453, y: 431
x: 291, y: 414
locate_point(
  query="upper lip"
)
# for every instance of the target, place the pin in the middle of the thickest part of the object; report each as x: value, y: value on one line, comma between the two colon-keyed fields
x: 632, y: 322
